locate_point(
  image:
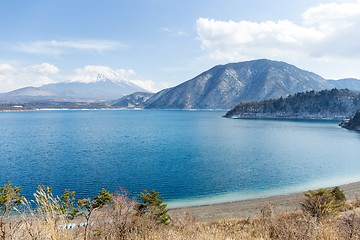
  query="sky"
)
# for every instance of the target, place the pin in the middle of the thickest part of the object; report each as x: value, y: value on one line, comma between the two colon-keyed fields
x: 161, y: 43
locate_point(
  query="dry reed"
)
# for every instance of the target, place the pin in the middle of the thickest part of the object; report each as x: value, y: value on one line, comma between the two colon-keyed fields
x: 41, y: 220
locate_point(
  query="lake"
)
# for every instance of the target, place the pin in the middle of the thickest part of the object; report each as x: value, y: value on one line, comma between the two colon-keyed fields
x: 190, y: 157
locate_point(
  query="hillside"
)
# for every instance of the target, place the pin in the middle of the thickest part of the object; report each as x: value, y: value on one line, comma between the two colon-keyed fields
x: 325, y: 104
x: 135, y: 100
x: 223, y: 86
x: 353, y: 123
x: 349, y: 83
x: 316, y: 214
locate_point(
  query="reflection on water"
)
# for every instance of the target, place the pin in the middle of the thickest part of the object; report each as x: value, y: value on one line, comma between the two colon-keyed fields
x: 190, y: 157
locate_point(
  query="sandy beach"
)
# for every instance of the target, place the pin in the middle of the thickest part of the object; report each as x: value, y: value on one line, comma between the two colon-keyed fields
x: 249, y: 208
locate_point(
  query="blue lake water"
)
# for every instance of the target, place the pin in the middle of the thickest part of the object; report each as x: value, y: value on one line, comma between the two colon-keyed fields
x: 190, y: 157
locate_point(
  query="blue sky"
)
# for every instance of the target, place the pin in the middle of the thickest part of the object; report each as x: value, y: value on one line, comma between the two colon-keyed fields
x: 159, y: 43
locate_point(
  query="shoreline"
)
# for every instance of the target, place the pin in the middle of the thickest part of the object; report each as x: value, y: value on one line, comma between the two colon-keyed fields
x: 104, y: 109
x: 252, y: 207
x: 206, y: 110
x: 67, y: 109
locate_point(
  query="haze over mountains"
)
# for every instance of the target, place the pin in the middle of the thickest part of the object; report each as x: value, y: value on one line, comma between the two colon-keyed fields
x: 224, y: 86
x: 135, y: 100
x: 104, y: 86
x: 221, y: 87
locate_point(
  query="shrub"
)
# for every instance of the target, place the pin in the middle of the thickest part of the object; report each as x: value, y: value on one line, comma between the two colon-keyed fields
x: 9, y: 199
x: 46, y: 213
x: 152, y: 204
x: 121, y: 212
x: 338, y: 194
x: 323, y: 202
x: 91, y: 205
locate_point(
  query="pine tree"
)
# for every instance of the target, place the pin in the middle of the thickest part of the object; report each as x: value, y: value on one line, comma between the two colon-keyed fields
x: 9, y: 200
x: 152, y: 204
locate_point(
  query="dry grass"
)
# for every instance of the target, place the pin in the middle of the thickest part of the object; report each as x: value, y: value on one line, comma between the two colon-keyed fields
x: 119, y: 221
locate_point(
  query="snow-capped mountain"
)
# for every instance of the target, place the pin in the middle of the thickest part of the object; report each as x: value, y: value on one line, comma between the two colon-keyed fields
x: 224, y: 86
x: 102, y: 84
x: 221, y: 87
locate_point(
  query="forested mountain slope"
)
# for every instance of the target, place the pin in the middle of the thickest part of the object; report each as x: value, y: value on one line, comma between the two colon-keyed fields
x: 325, y: 104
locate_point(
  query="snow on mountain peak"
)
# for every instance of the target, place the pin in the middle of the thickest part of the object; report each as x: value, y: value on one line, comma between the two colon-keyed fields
x: 90, y: 74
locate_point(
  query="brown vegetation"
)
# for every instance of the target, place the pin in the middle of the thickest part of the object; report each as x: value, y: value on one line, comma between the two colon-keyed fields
x: 120, y: 220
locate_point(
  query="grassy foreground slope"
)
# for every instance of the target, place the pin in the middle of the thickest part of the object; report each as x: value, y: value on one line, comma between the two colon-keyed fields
x: 324, y: 214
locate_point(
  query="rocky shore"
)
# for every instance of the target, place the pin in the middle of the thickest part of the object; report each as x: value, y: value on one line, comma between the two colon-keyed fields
x: 353, y: 123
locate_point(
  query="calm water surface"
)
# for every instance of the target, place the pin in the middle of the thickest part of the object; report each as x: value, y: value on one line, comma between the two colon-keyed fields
x: 190, y: 157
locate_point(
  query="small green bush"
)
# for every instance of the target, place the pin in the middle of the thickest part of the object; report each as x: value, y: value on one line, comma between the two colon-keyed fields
x: 338, y: 194
x: 9, y: 200
x: 151, y: 203
x: 323, y: 202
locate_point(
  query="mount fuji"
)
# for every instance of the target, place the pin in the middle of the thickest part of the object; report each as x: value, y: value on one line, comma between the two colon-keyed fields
x: 103, y: 85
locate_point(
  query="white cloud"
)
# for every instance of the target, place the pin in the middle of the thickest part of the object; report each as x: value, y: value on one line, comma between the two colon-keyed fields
x: 131, y: 76
x: 332, y: 15
x: 12, y: 78
x: 181, y: 33
x: 165, y: 29
x: 4, y: 68
x: 146, y: 84
x: 327, y: 32
x: 44, y: 68
x: 174, y: 32
x: 55, y: 47
x: 126, y: 73
x: 96, y: 73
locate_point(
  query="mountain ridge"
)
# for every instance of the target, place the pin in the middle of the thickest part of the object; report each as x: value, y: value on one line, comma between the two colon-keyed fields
x: 224, y: 86
x: 134, y: 100
x: 220, y: 87
x: 105, y: 85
